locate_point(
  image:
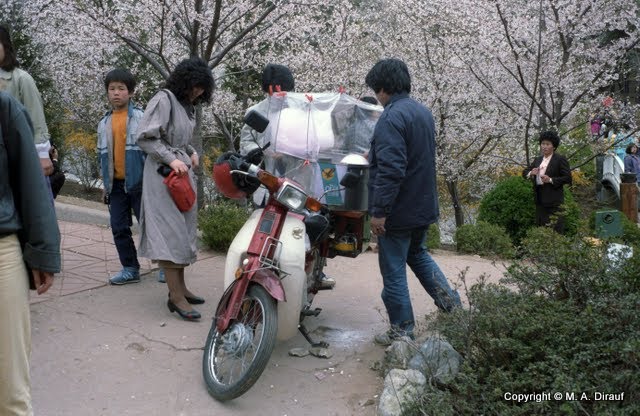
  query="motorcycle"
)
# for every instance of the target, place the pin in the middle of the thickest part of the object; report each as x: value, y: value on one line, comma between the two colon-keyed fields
x: 274, y: 266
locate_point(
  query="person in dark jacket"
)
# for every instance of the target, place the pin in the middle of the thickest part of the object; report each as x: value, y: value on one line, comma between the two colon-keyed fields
x: 28, y: 235
x: 58, y: 177
x: 632, y: 161
x: 549, y: 173
x: 403, y: 197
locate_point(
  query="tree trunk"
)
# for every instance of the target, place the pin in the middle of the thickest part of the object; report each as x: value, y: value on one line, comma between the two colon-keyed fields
x: 452, y: 187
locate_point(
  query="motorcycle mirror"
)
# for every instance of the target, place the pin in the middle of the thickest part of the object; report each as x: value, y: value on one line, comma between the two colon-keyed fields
x: 350, y: 180
x: 256, y: 121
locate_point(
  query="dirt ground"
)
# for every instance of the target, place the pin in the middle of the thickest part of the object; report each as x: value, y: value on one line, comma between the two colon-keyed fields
x: 118, y: 350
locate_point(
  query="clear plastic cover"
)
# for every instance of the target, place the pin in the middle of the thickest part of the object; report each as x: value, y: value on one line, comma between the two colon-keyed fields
x: 311, y: 134
x: 322, y: 125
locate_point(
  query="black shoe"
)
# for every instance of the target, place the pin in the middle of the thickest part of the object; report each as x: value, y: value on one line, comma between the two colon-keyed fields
x: 192, y: 315
x: 195, y: 300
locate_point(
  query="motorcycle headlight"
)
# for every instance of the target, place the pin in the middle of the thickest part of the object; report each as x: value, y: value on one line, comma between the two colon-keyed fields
x: 292, y: 197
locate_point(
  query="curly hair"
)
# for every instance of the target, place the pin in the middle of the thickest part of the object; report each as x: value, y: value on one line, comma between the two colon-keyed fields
x: 191, y: 73
x: 10, y: 61
x: 390, y: 75
x: 550, y: 136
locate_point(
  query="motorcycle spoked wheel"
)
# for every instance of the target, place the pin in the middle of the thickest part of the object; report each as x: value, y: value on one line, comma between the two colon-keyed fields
x: 234, y: 360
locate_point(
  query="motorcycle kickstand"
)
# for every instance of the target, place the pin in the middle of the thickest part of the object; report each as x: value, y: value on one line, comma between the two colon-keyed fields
x: 305, y: 333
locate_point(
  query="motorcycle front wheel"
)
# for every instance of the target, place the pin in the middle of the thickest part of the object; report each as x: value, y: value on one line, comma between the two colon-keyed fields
x: 234, y: 360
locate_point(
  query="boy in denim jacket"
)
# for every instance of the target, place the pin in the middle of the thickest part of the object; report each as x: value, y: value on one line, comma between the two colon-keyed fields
x: 121, y: 166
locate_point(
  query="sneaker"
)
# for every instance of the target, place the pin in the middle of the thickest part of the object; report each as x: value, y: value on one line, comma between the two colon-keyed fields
x: 326, y: 282
x: 161, y: 276
x: 125, y: 276
x: 386, y: 338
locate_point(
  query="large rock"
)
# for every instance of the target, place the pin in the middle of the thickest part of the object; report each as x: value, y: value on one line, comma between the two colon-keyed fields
x: 401, y: 389
x: 398, y: 354
x: 437, y: 360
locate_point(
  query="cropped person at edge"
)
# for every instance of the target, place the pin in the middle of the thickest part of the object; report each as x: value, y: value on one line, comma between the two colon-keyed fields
x: 27, y: 219
x: 20, y: 84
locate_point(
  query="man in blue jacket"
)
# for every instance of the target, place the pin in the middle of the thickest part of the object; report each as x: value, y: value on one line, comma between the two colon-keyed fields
x: 403, y: 197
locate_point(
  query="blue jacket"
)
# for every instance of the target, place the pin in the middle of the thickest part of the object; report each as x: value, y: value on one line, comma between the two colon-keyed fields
x: 134, y: 156
x: 632, y: 165
x: 402, y: 181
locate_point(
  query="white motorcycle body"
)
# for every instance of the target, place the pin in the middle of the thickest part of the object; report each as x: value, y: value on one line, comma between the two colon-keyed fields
x: 292, y: 262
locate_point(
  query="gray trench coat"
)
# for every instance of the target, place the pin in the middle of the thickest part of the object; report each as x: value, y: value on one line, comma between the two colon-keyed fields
x: 164, y: 133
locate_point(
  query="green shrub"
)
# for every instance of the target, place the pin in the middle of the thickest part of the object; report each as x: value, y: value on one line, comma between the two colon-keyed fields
x: 484, y: 239
x: 630, y: 232
x: 564, y: 320
x: 433, y: 237
x: 572, y: 213
x: 510, y: 204
x: 220, y: 223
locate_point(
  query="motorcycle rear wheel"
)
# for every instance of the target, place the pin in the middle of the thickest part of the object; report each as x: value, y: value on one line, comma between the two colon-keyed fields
x: 234, y: 360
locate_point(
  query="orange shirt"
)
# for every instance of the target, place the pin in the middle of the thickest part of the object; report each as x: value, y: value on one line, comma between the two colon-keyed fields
x: 119, y: 128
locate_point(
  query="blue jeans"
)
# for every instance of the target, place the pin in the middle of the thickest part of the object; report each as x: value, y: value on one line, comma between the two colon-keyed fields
x: 120, y: 207
x: 396, y: 250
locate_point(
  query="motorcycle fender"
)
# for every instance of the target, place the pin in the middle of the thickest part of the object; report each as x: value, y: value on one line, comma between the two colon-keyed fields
x: 225, y: 312
x: 271, y: 283
x: 238, y: 247
x: 292, y: 262
x: 294, y: 282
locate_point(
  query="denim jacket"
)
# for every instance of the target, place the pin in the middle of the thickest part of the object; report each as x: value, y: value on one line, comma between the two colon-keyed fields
x: 134, y: 156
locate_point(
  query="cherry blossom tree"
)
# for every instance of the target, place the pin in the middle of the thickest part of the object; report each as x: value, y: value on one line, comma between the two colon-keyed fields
x: 86, y: 38
x: 494, y: 72
x: 497, y: 72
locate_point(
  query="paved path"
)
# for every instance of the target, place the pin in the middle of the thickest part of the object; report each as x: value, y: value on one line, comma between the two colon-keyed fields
x: 105, y: 350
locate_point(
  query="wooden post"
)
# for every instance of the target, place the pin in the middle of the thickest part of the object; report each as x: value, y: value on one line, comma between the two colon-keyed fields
x: 629, y: 199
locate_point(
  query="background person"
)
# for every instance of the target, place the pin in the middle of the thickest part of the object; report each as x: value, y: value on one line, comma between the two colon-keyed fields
x: 632, y: 161
x: 274, y: 78
x: 27, y: 215
x: 403, y: 197
x: 167, y: 235
x: 21, y: 85
x: 549, y: 172
x: 121, y: 166
x: 58, y: 177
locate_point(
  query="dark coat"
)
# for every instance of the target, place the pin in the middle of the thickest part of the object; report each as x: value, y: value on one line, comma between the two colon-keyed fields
x: 57, y: 178
x: 551, y: 194
x: 402, y: 182
x: 26, y: 207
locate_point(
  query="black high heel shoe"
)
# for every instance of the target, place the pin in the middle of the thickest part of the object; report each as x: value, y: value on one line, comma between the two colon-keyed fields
x: 192, y: 315
x: 193, y: 300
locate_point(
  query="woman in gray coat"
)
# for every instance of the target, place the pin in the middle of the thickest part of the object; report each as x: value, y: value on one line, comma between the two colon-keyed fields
x: 168, y: 236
